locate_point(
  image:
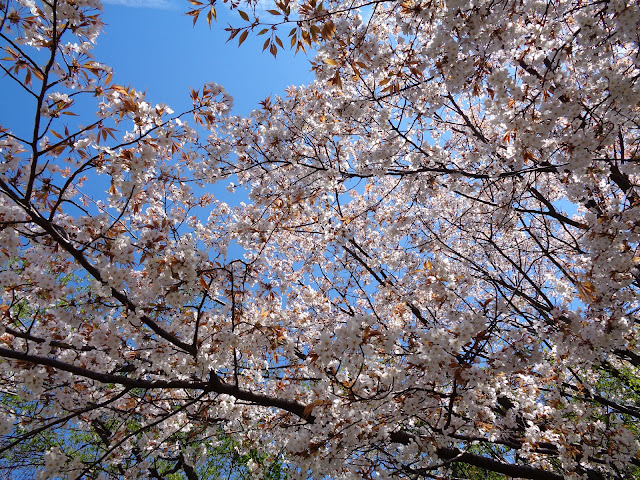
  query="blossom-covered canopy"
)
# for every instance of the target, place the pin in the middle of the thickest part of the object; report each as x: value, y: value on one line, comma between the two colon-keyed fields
x: 434, y: 274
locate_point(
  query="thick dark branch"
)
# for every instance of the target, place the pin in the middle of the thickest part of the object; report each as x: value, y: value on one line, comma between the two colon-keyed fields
x: 587, y: 395
x: 98, y: 376
x: 53, y: 343
x: 629, y: 356
x: 218, y: 386
x: 509, y: 469
x: 214, y: 385
x: 188, y: 470
x: 455, y: 455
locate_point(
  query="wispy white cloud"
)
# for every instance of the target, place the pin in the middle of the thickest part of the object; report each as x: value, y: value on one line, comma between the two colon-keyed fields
x: 158, y: 4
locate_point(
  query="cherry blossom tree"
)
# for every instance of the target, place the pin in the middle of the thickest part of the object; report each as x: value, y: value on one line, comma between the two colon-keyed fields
x: 435, y: 275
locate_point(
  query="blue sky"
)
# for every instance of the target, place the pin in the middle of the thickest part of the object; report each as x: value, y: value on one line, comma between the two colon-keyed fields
x: 154, y: 47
